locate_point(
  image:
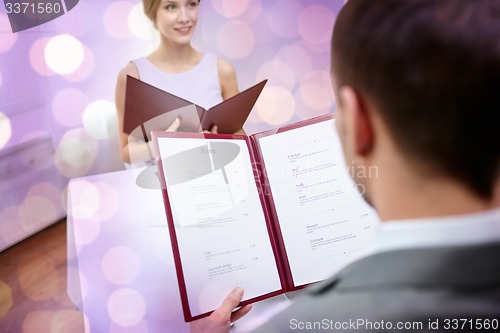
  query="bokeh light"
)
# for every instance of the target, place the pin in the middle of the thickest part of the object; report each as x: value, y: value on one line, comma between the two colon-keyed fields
x: 109, y: 202
x: 235, y: 39
x: 253, y: 11
x: 315, y: 24
x: 75, y: 153
x: 49, y: 191
x: 99, y: 119
x: 5, y: 129
x: 85, y: 199
x: 316, y: 92
x: 86, y: 231
x: 6, y: 299
x: 283, y: 18
x: 38, y: 278
x: 275, y: 105
x: 278, y: 73
x: 68, y: 106
x: 113, y: 21
x: 66, y: 320
x: 86, y: 68
x: 296, y: 57
x: 64, y: 54
x: 7, y: 38
x: 35, y: 212
x: 230, y: 8
x: 126, y: 307
x: 139, y: 25
x: 120, y: 265
x: 38, y: 321
x: 10, y: 229
x: 36, y: 55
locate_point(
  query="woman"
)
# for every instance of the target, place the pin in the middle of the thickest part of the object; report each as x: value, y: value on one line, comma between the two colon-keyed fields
x: 175, y: 66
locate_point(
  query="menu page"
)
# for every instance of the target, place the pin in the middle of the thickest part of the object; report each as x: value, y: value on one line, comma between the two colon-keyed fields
x: 325, y: 223
x: 219, y: 221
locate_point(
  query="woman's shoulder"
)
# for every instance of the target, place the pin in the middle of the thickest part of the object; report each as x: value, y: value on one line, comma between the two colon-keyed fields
x: 225, y: 68
x: 129, y: 69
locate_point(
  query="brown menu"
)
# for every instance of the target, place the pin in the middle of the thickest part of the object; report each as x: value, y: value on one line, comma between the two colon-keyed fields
x: 146, y: 104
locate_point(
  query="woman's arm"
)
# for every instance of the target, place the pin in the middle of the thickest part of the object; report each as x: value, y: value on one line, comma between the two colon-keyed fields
x: 227, y: 79
x: 228, y: 82
x: 131, y: 150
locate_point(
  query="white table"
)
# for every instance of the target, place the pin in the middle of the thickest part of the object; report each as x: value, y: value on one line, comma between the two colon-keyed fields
x: 120, y: 266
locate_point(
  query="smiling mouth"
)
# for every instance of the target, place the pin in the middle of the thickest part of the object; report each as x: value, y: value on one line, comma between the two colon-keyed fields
x: 183, y: 30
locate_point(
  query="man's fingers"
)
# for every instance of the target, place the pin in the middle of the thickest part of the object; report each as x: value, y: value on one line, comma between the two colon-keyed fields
x: 230, y: 303
x: 174, y: 126
x: 220, y: 320
x: 240, y: 313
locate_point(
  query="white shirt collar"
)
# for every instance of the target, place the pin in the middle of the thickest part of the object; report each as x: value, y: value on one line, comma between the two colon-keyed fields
x: 455, y: 230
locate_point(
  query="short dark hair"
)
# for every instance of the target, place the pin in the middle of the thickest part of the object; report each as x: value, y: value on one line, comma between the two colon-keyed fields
x: 432, y: 68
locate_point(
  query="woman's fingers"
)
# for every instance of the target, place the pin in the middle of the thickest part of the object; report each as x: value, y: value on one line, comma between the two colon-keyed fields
x: 174, y: 126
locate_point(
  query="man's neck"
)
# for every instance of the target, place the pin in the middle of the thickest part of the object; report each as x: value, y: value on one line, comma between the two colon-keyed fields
x: 402, y: 197
x: 440, y: 198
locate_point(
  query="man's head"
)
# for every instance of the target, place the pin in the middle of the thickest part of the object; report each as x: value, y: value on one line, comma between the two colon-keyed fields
x: 431, y: 71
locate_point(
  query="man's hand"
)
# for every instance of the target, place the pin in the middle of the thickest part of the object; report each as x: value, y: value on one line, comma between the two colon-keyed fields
x: 220, y: 320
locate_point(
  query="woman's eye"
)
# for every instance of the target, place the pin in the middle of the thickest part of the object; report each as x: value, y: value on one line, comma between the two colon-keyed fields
x: 193, y: 4
x: 170, y: 7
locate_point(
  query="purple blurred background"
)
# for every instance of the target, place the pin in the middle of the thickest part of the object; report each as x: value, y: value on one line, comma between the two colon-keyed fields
x: 57, y: 82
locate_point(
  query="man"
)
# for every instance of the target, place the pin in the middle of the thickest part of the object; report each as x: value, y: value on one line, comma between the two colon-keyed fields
x: 417, y: 91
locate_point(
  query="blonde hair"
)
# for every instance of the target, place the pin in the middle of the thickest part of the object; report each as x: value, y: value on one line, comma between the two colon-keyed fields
x: 151, y: 8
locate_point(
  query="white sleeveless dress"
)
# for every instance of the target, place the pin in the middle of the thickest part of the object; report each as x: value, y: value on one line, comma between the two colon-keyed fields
x: 199, y: 85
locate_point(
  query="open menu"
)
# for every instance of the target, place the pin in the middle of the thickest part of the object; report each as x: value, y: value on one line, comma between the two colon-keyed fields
x: 271, y: 212
x: 148, y: 108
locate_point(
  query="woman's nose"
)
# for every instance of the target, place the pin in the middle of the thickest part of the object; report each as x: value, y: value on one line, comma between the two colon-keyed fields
x: 182, y: 16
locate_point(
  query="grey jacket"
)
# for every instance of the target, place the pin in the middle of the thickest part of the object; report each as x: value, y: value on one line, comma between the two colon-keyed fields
x: 449, y: 289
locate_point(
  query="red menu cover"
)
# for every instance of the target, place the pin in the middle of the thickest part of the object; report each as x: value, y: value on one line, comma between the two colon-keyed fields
x: 271, y: 212
x: 146, y: 104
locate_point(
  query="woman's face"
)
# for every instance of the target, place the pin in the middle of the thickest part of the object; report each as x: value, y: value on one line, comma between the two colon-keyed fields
x: 176, y: 19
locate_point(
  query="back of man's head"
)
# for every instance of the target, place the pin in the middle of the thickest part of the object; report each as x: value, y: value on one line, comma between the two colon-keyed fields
x: 432, y: 67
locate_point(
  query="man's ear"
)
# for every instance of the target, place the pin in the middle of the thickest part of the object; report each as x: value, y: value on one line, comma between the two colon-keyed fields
x: 357, y: 121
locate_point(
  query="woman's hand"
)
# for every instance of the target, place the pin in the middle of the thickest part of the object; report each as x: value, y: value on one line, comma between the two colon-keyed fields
x: 174, y: 126
x: 221, y: 319
x: 213, y: 130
